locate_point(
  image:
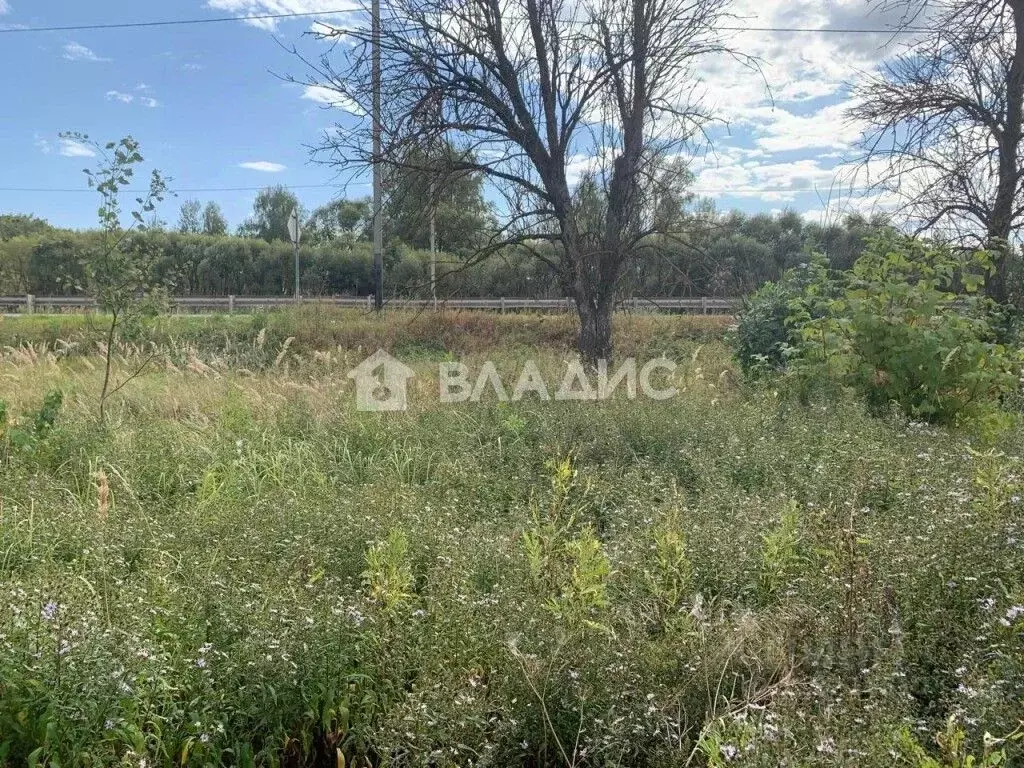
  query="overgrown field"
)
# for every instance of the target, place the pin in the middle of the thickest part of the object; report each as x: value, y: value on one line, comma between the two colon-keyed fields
x: 240, y: 568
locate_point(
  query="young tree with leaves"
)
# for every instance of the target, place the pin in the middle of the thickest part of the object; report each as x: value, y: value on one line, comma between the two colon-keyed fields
x: 118, y: 272
x: 270, y: 212
x: 188, y: 218
x: 214, y: 222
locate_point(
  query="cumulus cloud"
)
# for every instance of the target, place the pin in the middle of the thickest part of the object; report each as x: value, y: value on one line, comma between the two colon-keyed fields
x: 331, y: 98
x: 791, y: 107
x: 732, y: 175
x: 269, y: 7
x: 72, y: 148
x: 128, y: 98
x: 783, y: 131
x: 4, y: 7
x: 796, y: 67
x: 263, y: 166
x: 77, y: 52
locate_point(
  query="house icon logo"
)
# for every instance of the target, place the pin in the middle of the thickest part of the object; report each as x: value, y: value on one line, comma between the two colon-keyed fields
x: 381, y: 383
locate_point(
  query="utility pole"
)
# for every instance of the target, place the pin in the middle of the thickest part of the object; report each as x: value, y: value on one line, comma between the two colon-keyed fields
x: 433, y: 246
x: 378, y: 224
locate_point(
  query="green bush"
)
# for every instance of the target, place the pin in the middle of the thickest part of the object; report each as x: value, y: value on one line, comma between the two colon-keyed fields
x: 765, y: 336
x: 910, y: 328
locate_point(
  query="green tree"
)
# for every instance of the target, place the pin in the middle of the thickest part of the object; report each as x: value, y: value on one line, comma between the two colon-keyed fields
x: 344, y: 220
x: 188, y: 219
x: 909, y: 328
x: 119, y: 271
x: 270, y: 212
x: 670, y: 196
x: 55, y: 266
x: 14, y: 225
x: 427, y: 182
x: 214, y: 222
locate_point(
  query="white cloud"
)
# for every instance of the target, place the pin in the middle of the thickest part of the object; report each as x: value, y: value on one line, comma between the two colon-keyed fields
x: 263, y: 165
x: 124, y: 98
x: 268, y: 7
x: 128, y: 98
x: 783, y: 131
x: 794, y: 104
x: 331, y: 98
x: 43, y: 144
x: 770, y: 181
x: 72, y: 148
x: 796, y: 66
x: 77, y: 52
x: 192, y: 67
x: 4, y: 7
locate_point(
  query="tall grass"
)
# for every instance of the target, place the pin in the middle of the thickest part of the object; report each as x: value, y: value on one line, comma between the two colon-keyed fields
x: 241, y: 569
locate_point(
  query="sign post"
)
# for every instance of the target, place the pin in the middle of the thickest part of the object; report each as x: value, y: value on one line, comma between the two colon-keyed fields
x: 295, y: 231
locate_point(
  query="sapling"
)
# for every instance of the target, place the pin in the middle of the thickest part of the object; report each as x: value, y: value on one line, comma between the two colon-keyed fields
x: 117, y: 273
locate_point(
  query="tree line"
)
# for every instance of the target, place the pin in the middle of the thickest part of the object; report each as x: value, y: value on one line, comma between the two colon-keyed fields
x: 722, y: 254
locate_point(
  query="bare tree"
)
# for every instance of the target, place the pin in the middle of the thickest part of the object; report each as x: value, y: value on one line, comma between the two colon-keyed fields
x: 945, y: 120
x: 536, y: 94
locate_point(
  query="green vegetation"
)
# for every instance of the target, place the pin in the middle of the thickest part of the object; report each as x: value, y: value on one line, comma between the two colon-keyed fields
x: 238, y: 568
x: 721, y: 255
x: 904, y: 327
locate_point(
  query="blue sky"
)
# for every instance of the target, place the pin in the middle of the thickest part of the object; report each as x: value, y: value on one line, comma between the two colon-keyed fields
x: 209, y: 112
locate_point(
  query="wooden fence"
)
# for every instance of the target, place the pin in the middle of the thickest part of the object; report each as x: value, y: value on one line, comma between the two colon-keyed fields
x: 194, y: 304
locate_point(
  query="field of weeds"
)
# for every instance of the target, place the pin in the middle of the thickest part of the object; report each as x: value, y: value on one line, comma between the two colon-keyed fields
x: 240, y: 568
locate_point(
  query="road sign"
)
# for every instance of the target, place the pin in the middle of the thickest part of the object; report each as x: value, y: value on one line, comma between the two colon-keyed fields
x: 294, y: 228
x: 295, y: 231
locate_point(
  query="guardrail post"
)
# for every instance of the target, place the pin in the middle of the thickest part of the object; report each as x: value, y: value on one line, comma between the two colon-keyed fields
x: 503, y: 305
x: 704, y: 305
x: 30, y: 303
x: 231, y: 303
x: 369, y: 302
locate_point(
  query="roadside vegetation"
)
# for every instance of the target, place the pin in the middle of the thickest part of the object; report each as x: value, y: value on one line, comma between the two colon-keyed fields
x: 238, y: 568
x: 722, y: 254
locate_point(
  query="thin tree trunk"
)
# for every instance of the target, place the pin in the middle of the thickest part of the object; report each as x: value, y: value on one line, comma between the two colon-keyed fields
x: 1001, y: 223
x: 106, y: 367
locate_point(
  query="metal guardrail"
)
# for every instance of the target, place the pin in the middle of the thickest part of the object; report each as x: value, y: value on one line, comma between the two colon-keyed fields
x: 703, y: 305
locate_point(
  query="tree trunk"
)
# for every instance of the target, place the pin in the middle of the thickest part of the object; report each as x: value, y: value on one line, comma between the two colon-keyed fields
x: 595, y: 313
x: 1001, y: 223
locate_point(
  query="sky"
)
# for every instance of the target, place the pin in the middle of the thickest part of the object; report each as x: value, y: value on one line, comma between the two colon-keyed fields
x: 212, y: 109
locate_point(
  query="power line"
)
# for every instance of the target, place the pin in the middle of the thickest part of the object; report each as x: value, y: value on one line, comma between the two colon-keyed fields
x: 830, y: 30
x: 201, y: 190
x: 171, y: 22
x: 173, y: 190
x: 309, y: 14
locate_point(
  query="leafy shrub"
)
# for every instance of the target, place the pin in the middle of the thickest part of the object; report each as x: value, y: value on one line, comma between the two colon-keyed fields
x: 902, y: 333
x: 907, y: 325
x: 765, y: 334
x: 25, y: 437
